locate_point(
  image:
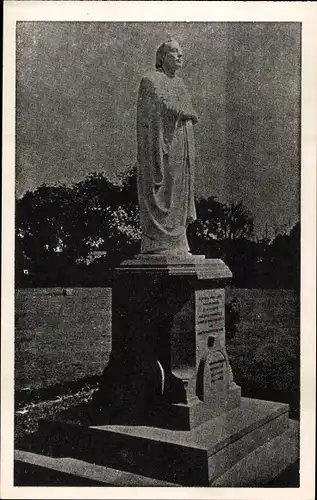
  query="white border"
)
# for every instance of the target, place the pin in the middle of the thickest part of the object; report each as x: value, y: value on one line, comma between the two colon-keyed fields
x: 168, y: 11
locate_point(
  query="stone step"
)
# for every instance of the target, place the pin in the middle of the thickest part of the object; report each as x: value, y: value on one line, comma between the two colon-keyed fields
x: 265, y: 463
x: 33, y: 469
x: 257, y: 469
x: 190, y: 458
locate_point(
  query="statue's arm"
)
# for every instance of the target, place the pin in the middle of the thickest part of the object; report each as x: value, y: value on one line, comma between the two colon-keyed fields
x: 189, y: 114
x: 147, y: 101
x: 149, y: 134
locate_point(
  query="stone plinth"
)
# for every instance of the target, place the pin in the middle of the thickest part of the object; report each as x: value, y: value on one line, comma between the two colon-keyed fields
x: 209, y: 454
x: 168, y: 357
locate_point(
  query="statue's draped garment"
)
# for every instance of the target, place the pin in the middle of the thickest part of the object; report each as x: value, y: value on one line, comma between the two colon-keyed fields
x: 166, y: 156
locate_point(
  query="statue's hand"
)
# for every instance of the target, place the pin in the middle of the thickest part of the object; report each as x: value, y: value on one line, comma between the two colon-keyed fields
x: 194, y: 118
x: 187, y: 116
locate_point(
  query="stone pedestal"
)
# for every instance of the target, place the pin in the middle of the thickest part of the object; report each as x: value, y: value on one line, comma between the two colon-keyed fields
x: 168, y: 343
x: 168, y: 411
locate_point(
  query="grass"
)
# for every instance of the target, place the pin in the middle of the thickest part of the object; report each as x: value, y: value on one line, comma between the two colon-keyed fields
x: 60, y: 338
x: 266, y: 348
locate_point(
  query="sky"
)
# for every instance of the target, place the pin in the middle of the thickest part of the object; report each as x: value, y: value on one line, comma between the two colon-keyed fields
x: 76, y: 94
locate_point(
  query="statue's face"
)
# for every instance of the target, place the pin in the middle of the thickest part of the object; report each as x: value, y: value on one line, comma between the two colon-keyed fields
x: 173, y: 59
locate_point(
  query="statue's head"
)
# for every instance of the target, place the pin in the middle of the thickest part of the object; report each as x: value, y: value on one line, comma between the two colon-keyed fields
x: 169, y: 56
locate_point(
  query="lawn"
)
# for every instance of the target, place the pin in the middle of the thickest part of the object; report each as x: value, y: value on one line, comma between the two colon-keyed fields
x: 265, y: 351
x: 60, y: 338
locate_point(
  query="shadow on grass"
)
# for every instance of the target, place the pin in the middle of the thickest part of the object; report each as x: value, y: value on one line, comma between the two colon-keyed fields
x: 249, y: 391
x: 36, y: 395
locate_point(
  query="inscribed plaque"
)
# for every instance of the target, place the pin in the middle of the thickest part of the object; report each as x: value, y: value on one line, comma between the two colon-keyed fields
x: 209, y: 317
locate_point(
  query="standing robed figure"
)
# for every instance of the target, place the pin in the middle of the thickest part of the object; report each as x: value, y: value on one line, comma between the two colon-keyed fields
x: 166, y: 156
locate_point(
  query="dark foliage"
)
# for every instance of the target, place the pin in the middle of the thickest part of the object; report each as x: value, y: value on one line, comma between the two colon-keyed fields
x: 60, y: 232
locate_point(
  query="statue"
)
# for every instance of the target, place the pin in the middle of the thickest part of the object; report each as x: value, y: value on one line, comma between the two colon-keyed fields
x: 166, y: 156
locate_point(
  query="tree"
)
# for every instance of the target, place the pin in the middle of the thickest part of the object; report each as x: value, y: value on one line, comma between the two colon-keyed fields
x: 216, y: 220
x: 284, y: 258
x: 224, y: 231
x: 238, y: 222
x: 57, y: 227
x: 108, y: 216
x: 43, y: 231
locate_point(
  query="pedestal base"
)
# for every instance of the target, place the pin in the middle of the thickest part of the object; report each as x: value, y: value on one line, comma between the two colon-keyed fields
x: 168, y: 343
x: 190, y: 415
x: 211, y: 454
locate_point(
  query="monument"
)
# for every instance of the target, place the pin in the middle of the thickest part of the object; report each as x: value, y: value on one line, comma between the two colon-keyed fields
x: 168, y: 410
x: 178, y: 323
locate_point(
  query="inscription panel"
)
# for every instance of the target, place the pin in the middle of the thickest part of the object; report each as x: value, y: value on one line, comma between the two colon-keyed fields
x: 216, y: 370
x: 215, y: 381
x: 209, y: 317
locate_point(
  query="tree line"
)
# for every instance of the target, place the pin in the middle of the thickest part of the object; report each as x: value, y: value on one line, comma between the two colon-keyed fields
x: 60, y: 230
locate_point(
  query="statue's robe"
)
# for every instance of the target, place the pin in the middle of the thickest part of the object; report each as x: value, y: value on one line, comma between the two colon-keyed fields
x: 166, y: 156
